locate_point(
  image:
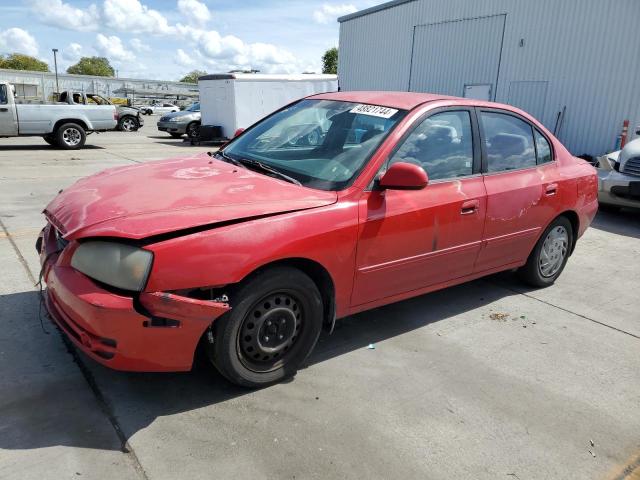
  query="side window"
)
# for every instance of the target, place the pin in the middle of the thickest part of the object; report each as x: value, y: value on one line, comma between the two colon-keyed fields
x: 508, y: 141
x: 442, y: 144
x: 3, y: 95
x: 543, y: 148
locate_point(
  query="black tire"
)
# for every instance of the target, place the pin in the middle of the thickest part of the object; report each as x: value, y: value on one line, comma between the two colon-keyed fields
x: 176, y: 135
x: 50, y: 139
x: 128, y: 124
x: 549, y: 257
x: 284, y: 308
x: 193, y: 130
x: 70, y: 136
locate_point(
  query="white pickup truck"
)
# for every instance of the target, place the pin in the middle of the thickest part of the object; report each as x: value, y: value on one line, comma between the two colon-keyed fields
x: 62, y: 125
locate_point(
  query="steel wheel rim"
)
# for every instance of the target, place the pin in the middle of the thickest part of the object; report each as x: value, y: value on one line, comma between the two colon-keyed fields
x: 192, y: 131
x: 71, y: 136
x: 554, y: 251
x: 128, y: 125
x: 270, y: 332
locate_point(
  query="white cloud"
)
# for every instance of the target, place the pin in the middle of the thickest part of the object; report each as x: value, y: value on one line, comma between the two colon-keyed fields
x: 72, y: 52
x: 329, y: 13
x: 63, y: 15
x: 133, y: 16
x: 183, y: 59
x: 139, y: 46
x: 194, y: 12
x: 17, y: 40
x: 113, y: 48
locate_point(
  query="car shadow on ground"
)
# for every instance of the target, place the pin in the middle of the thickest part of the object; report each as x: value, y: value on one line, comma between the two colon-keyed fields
x: 624, y: 222
x: 141, y: 398
x: 45, y: 146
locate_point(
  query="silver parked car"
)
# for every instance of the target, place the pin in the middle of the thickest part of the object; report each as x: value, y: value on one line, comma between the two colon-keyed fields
x: 177, y: 124
x: 619, y: 176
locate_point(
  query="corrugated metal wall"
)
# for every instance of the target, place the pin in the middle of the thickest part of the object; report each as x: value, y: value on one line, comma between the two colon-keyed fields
x: 580, y: 54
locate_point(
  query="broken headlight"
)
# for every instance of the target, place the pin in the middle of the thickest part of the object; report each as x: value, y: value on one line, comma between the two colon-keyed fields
x: 116, y: 264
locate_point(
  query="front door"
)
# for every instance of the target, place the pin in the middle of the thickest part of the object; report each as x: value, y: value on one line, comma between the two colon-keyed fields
x: 412, y: 239
x: 8, y: 123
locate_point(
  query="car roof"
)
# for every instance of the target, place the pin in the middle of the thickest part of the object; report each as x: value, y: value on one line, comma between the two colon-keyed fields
x: 401, y: 100
x: 409, y: 100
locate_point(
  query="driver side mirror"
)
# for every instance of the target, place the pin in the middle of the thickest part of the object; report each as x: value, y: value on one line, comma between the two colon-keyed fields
x: 404, y: 176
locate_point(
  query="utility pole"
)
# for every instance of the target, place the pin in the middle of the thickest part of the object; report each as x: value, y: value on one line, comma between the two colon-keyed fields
x: 55, y: 63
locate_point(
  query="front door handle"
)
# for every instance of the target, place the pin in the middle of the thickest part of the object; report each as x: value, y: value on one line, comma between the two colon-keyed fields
x: 469, y: 207
x: 551, y: 189
x: 4, y: 109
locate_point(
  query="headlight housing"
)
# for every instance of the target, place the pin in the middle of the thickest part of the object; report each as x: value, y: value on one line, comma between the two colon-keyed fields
x: 116, y: 264
x: 175, y: 119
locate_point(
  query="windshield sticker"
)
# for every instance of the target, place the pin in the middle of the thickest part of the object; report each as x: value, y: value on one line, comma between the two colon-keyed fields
x: 374, y: 111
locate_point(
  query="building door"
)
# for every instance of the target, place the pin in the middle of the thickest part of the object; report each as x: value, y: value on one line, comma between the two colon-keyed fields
x: 530, y: 96
x: 447, y: 56
x: 478, y: 92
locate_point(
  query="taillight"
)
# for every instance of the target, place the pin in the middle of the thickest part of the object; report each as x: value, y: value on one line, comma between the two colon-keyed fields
x: 115, y: 115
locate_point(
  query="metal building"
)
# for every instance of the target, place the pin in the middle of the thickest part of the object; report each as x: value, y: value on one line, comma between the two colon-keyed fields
x: 573, y: 64
x: 42, y: 86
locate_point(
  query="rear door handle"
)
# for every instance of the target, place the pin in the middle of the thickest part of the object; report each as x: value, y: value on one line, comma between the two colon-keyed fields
x: 4, y: 109
x: 551, y: 189
x: 469, y: 207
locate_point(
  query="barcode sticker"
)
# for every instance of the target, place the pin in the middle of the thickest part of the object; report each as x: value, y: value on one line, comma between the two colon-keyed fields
x: 374, y: 110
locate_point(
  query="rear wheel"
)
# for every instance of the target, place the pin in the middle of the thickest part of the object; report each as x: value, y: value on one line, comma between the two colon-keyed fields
x: 70, y: 136
x: 193, y: 130
x: 272, y: 328
x: 550, y: 255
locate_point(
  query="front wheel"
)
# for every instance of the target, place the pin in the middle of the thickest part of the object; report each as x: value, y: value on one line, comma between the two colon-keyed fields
x: 550, y: 255
x: 70, y: 136
x: 274, y: 323
x: 128, y: 124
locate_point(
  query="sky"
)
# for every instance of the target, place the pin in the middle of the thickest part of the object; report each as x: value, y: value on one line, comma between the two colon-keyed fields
x: 165, y: 39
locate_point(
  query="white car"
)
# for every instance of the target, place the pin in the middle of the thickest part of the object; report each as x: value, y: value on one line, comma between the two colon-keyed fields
x: 159, y: 108
x: 619, y: 176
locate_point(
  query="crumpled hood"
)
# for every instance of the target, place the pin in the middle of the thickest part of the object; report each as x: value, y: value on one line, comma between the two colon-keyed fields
x: 160, y: 197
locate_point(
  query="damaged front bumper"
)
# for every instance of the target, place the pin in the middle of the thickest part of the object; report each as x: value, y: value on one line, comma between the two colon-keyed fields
x: 150, y: 331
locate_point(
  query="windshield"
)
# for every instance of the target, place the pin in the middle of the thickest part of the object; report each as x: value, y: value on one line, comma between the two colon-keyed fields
x: 194, y: 107
x: 323, y: 144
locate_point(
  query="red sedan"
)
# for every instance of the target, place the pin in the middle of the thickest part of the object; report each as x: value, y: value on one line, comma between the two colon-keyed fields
x: 335, y: 204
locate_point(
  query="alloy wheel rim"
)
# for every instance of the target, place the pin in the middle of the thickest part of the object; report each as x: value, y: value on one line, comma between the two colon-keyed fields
x: 71, y: 136
x: 127, y: 125
x: 270, y: 332
x: 553, y: 251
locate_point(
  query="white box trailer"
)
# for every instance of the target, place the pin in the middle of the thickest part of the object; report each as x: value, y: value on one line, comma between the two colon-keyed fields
x: 238, y: 100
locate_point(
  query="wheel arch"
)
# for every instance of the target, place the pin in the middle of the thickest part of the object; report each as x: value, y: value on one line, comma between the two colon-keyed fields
x: 573, y: 217
x: 62, y: 121
x: 318, y: 274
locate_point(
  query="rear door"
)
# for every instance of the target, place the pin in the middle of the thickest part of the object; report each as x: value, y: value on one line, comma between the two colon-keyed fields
x: 8, y: 120
x: 523, y: 188
x: 413, y: 239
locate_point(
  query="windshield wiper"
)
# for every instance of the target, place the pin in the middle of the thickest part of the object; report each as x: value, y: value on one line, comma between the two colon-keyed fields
x: 268, y: 169
x: 225, y: 158
x: 256, y: 164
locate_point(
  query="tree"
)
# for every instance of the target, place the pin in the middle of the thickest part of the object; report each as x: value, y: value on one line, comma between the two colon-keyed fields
x: 18, y: 61
x: 330, y: 61
x: 98, y: 66
x: 192, y: 77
